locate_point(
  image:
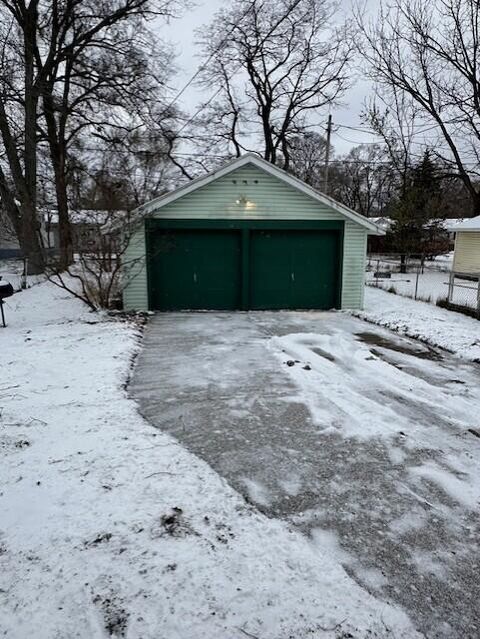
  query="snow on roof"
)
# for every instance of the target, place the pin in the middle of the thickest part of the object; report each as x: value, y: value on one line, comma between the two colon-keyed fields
x: 448, y: 224
x: 468, y: 224
x: 382, y: 222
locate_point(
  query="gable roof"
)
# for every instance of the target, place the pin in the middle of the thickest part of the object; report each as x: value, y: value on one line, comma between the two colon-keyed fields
x: 275, y: 171
x: 470, y: 224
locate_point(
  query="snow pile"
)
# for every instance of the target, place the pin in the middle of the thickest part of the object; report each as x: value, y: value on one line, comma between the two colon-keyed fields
x: 430, y: 324
x: 353, y: 382
x: 109, y: 528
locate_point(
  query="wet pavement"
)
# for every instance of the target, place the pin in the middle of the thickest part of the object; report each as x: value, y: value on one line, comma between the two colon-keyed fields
x: 330, y: 423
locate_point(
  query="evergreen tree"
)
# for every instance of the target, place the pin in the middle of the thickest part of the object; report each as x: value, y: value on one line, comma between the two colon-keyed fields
x: 417, y: 213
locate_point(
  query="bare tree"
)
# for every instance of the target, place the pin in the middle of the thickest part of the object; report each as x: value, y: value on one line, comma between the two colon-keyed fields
x: 101, y: 269
x: 105, y: 185
x: 20, y: 88
x: 273, y: 62
x: 394, y: 117
x: 365, y: 179
x: 108, y: 72
x: 122, y: 173
x: 430, y: 52
x: 71, y: 58
x: 307, y: 158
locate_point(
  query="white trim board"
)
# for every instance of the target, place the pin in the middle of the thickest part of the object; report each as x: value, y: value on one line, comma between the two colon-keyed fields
x: 250, y: 158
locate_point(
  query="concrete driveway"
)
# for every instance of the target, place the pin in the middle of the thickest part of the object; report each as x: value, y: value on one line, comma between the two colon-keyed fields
x: 334, y: 424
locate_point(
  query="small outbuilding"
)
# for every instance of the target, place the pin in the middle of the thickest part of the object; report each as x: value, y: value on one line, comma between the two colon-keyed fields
x: 248, y: 236
x: 466, y: 259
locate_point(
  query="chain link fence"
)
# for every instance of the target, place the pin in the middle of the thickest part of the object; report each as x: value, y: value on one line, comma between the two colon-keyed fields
x: 426, y: 279
x: 464, y: 292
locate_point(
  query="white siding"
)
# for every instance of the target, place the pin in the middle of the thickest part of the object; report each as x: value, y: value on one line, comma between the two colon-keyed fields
x: 354, y: 257
x: 467, y: 252
x: 270, y: 198
x: 135, y: 294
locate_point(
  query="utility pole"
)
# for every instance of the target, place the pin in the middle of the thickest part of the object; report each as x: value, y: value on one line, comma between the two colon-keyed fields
x: 327, y: 154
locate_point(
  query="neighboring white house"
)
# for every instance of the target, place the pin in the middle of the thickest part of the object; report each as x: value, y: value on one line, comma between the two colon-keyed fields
x: 467, y: 246
x: 464, y: 288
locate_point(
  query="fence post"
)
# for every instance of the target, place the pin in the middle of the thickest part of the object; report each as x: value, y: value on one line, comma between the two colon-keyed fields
x: 378, y: 272
x: 416, y: 281
x: 478, y: 297
x: 23, y: 278
x: 450, y: 286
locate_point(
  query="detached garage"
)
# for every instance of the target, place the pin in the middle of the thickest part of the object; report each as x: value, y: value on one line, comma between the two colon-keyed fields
x: 246, y: 237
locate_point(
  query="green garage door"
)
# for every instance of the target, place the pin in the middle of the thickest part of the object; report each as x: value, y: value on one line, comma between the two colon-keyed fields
x: 195, y: 270
x: 294, y: 269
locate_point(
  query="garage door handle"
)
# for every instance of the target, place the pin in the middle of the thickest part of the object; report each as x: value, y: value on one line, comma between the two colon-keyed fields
x: 293, y: 277
x: 195, y: 278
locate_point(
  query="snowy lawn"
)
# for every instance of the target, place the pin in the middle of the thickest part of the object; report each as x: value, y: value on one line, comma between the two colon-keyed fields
x: 109, y: 528
x: 433, y: 280
x: 432, y: 285
x: 430, y: 324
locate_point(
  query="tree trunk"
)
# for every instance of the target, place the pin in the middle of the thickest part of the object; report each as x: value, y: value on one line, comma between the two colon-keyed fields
x: 26, y: 227
x: 476, y: 204
x: 30, y: 241
x: 64, y: 226
x: 9, y: 205
x: 64, y: 233
x: 58, y: 155
x: 31, y: 237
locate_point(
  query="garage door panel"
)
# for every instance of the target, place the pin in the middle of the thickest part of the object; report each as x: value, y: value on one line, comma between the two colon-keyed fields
x: 196, y: 270
x: 270, y: 270
x: 294, y: 269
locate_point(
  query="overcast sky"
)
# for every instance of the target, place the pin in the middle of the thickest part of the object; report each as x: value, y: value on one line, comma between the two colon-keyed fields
x: 181, y: 33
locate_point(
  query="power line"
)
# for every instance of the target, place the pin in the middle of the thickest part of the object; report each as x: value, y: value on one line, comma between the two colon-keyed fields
x: 367, y: 130
x: 198, y: 111
x: 357, y: 142
x: 359, y: 129
x: 376, y: 142
x: 186, y: 154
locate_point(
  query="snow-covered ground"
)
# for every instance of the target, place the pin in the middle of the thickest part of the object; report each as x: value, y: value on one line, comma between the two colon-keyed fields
x: 430, y: 324
x: 109, y: 528
x: 11, y: 271
x: 432, y: 285
x: 429, y: 284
